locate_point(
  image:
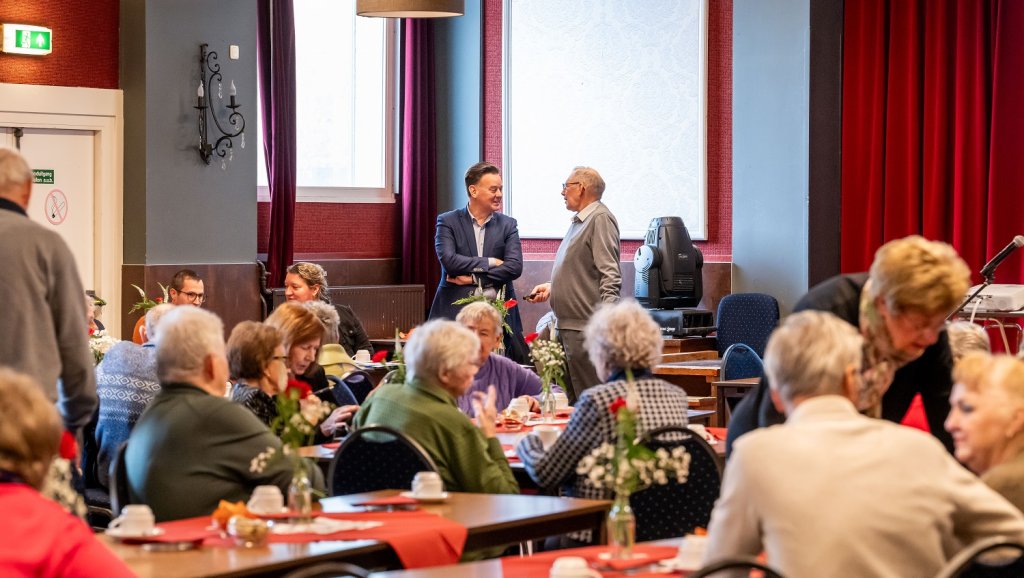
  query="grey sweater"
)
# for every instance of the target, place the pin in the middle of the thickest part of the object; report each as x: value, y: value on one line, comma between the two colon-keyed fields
x: 586, y: 271
x: 43, y: 318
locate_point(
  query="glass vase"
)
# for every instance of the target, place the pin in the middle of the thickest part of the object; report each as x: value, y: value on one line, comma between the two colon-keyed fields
x: 621, y: 528
x: 548, y: 405
x: 300, y: 494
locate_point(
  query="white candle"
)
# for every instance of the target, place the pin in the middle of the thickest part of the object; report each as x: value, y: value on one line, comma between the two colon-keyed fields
x: 200, y: 92
x: 232, y: 92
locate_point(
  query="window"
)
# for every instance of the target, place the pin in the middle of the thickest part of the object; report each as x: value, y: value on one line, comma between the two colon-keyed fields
x: 345, y: 70
x: 612, y: 84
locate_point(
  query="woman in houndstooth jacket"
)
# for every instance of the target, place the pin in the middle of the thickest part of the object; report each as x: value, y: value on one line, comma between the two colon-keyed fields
x: 618, y: 337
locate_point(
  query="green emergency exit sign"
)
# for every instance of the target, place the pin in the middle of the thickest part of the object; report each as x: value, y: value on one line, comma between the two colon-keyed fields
x: 42, y: 176
x: 27, y: 39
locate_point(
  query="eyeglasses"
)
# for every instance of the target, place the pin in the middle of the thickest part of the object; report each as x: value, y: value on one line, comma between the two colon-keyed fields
x: 279, y: 358
x: 194, y: 297
x: 566, y: 185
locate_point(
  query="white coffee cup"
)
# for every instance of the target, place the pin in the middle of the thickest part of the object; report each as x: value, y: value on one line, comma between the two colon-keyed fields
x: 520, y: 406
x: 135, y: 519
x: 362, y: 356
x: 427, y: 484
x: 548, y: 434
x: 691, y: 551
x: 572, y: 567
x: 561, y: 400
x: 266, y: 500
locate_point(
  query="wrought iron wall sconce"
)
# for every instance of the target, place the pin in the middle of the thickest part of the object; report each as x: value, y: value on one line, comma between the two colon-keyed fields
x: 209, y: 71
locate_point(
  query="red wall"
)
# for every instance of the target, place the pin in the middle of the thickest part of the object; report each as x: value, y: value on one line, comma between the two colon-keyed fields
x: 85, y: 43
x: 338, y: 230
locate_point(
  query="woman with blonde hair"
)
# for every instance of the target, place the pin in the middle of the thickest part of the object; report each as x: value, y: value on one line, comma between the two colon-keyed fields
x: 308, y: 282
x: 987, y: 421
x: 900, y: 307
x: 40, y: 538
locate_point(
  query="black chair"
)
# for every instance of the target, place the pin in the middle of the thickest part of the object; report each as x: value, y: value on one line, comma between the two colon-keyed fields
x: 97, y: 498
x: 739, y: 361
x: 119, y: 493
x: 738, y: 563
x: 995, y: 557
x: 329, y: 570
x: 673, y: 509
x: 376, y: 457
x: 340, y: 392
x: 746, y: 318
x: 360, y: 384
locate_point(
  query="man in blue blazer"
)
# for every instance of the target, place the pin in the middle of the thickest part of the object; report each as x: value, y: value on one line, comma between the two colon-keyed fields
x: 479, y: 249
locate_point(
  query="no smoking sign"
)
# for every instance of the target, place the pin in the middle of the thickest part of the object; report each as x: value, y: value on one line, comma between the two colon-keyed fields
x: 56, y: 207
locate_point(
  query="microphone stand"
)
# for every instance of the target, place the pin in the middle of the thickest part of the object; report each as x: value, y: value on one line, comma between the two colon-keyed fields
x: 988, y: 279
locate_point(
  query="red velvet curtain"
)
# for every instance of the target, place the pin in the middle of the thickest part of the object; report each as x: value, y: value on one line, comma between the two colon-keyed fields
x: 932, y: 123
x: 419, y: 158
x: 276, y: 60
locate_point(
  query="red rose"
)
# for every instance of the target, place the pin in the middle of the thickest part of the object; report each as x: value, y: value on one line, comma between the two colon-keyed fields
x: 529, y: 338
x: 68, y: 446
x: 511, y: 303
x: 92, y: 331
x: 301, y: 387
x: 159, y: 300
x: 616, y: 405
x: 380, y: 356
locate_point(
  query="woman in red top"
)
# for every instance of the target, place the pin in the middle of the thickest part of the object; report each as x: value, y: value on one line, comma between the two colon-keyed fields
x: 40, y: 538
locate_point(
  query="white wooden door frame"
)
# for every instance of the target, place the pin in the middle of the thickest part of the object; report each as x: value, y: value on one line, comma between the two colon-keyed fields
x: 101, y: 111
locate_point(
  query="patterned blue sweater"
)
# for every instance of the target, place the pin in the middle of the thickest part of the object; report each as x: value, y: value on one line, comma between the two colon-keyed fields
x: 126, y: 383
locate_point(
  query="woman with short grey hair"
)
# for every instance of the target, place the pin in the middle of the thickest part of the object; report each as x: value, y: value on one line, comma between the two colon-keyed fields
x: 440, y: 362
x: 624, y: 343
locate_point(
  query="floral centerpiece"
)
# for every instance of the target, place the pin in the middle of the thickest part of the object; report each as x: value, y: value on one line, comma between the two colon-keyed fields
x: 100, y: 343
x: 397, y: 362
x: 549, y: 357
x: 298, y: 413
x: 628, y: 466
x: 146, y: 303
x: 498, y: 302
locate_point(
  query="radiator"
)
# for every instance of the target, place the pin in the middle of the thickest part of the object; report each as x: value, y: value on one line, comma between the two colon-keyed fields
x: 381, y: 308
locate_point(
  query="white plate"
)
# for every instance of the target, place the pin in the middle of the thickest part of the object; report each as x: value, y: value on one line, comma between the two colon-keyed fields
x: 421, y: 498
x: 676, y: 564
x: 122, y: 535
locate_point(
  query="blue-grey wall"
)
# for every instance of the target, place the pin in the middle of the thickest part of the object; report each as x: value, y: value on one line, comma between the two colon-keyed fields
x: 770, y: 148
x: 178, y: 210
x: 459, y: 53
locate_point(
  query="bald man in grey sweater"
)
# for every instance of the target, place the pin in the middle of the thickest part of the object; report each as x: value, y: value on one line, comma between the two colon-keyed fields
x: 43, y: 321
x: 586, y: 272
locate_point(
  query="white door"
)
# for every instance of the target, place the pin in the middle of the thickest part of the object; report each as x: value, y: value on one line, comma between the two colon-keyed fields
x: 63, y: 196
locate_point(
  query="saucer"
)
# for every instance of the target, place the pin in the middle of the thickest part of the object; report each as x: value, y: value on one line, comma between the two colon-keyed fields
x: 426, y: 498
x: 123, y: 535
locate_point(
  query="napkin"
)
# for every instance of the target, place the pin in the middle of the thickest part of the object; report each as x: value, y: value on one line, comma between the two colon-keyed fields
x: 322, y: 526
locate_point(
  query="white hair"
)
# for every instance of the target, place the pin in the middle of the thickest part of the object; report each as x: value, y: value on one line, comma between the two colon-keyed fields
x: 622, y: 335
x: 439, y: 346
x: 153, y: 317
x: 14, y: 171
x: 478, y: 310
x: 591, y: 179
x: 187, y: 336
x: 808, y: 355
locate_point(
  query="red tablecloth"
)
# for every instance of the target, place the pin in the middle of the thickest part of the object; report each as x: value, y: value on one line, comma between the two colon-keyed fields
x: 539, y: 565
x: 419, y: 538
